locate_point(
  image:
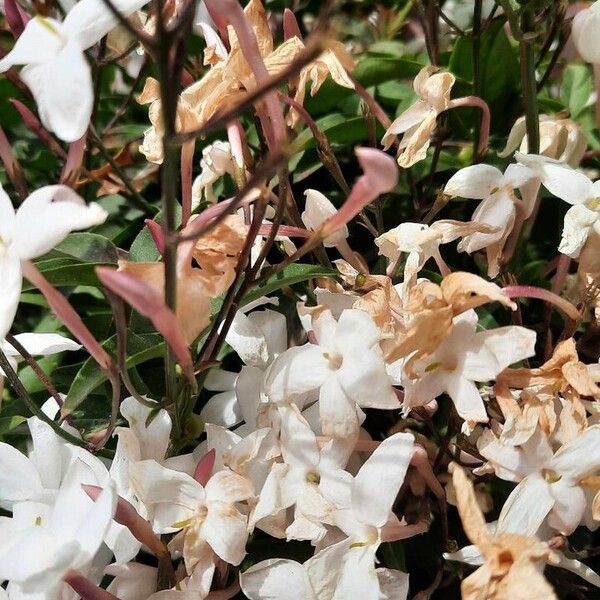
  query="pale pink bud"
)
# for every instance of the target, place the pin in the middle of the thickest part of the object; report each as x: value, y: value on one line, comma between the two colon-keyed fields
x: 158, y: 237
x: 290, y: 25
x: 129, y: 517
x: 204, y: 468
x: 16, y: 17
x: 149, y: 303
x: 379, y: 177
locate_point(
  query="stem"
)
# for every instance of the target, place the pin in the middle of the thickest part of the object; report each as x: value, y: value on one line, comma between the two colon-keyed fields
x: 528, y: 82
x: 168, y: 67
x: 484, y: 130
x: 21, y: 392
x: 477, y: 82
x: 529, y: 291
x: 35, y: 367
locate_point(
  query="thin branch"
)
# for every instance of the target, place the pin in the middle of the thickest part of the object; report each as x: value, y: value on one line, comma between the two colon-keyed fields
x: 35, y: 410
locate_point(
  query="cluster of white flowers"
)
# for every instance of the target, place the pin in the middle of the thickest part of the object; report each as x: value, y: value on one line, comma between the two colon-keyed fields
x: 285, y: 453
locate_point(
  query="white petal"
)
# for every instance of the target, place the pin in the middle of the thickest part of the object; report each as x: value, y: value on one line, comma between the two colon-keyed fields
x: 580, y: 457
x: 39, y: 42
x: 45, y: 344
x: 276, y: 579
x: 222, y: 409
x: 298, y: 442
x: 586, y: 34
x: 558, y: 178
x: 48, y: 215
x: 225, y: 530
x: 63, y: 92
x: 318, y: 209
x: 153, y: 436
x: 358, y: 578
x: 19, y: 479
x: 246, y: 338
x: 338, y: 413
x: 89, y: 21
x: 569, y: 506
x: 177, y: 492
x: 578, y: 223
x: 227, y: 486
x: 384, y: 471
x: 10, y: 275
x: 466, y: 398
x: 133, y: 581
x: 364, y: 379
x: 355, y: 329
x: 7, y: 217
x: 476, y: 182
x: 296, y: 371
x: 526, y: 507
x: 496, y: 349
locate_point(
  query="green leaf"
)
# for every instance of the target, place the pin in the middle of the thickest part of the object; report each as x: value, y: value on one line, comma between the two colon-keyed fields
x: 498, y: 61
x: 576, y: 88
x: 7, y: 424
x: 374, y: 70
x: 292, y: 274
x: 87, y: 247
x: 140, y: 348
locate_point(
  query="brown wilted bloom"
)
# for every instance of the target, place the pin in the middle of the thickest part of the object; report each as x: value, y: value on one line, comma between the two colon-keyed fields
x: 230, y: 78
x: 524, y: 413
x: 216, y: 253
x: 560, y: 138
x: 513, y: 566
x: 563, y: 377
x: 428, y: 311
x: 588, y: 274
x: 419, y: 120
x: 374, y: 294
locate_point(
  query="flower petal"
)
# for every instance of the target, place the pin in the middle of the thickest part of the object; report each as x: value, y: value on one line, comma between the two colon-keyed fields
x: 526, y: 507
x: 475, y: 182
x: 384, y: 471
x: 48, y: 215
x: 63, y: 92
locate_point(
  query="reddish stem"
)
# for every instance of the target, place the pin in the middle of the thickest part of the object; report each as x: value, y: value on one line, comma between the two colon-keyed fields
x: 529, y: 291
x: 477, y: 102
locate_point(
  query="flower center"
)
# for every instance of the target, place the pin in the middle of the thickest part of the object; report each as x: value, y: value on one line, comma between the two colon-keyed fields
x: 313, y: 477
x: 335, y: 360
x: 551, y: 476
x: 593, y: 204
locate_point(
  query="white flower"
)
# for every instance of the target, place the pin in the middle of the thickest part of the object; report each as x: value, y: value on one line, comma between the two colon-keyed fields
x: 44, y: 219
x: 560, y: 138
x: 316, y: 579
x: 418, y: 121
x: 147, y: 437
x: 586, y: 33
x: 372, y: 494
x: 345, y: 364
x: 38, y: 344
x: 422, y: 242
x: 258, y: 338
x: 216, y: 161
x: 464, y: 357
x: 310, y: 478
x: 41, y: 543
x: 552, y: 484
x: 499, y: 206
x: 57, y: 71
x: 575, y: 188
x: 206, y: 514
x: 317, y: 209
